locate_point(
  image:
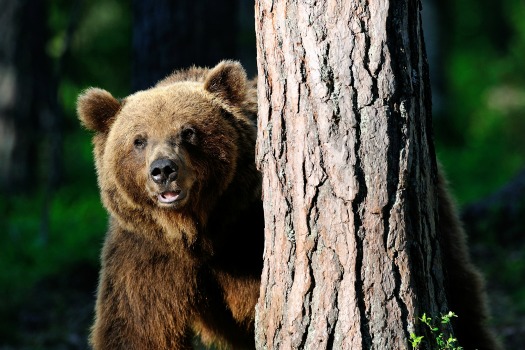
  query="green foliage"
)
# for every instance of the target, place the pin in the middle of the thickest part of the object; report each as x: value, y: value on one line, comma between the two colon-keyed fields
x: 441, y: 333
x: 415, y: 340
x: 480, y: 130
x: 31, y: 251
x: 49, y: 231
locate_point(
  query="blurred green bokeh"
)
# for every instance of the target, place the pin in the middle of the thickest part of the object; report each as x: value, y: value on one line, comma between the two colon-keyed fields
x: 47, y: 233
x: 479, y: 131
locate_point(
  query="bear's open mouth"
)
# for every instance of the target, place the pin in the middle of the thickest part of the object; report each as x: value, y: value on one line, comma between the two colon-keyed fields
x: 170, y: 196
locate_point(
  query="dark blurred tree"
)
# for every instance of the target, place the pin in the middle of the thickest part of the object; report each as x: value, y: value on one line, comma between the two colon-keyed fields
x: 29, y: 114
x: 501, y: 213
x: 169, y: 35
x: 49, y: 52
x: 432, y: 29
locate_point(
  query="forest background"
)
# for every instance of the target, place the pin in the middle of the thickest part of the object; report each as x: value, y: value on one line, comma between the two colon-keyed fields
x: 52, y: 223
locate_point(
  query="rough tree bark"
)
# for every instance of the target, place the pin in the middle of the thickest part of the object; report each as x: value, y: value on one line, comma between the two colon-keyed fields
x: 351, y: 254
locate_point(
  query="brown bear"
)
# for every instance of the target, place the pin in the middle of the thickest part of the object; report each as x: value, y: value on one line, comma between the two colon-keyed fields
x: 183, y: 254
x: 176, y: 172
x: 465, y: 287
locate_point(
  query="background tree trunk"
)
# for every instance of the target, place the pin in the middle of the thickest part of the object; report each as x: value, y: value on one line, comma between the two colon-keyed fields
x: 169, y: 35
x: 351, y: 254
x: 29, y: 112
x: 18, y: 123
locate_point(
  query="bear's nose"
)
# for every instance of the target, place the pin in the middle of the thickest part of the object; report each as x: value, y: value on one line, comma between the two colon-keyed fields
x: 163, y: 170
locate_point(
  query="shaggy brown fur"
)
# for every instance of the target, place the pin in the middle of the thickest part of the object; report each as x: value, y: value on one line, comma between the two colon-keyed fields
x: 168, y: 264
x: 465, y: 287
x: 169, y: 268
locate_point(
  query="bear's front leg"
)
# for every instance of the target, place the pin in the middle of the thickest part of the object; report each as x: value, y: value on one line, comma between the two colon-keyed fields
x: 144, y: 299
x: 117, y: 327
x: 111, y: 332
x: 227, y: 317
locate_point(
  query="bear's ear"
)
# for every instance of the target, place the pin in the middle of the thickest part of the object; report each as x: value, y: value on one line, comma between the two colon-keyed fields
x: 97, y: 109
x: 228, y: 81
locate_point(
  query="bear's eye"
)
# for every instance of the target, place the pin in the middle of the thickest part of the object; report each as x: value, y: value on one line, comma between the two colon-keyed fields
x: 140, y: 143
x: 189, y: 135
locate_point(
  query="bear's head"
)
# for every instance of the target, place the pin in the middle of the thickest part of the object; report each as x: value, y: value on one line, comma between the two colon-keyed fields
x: 173, y: 150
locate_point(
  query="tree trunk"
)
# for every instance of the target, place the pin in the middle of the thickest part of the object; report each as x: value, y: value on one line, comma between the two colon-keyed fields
x: 18, y: 126
x: 28, y: 99
x: 169, y: 35
x: 351, y: 253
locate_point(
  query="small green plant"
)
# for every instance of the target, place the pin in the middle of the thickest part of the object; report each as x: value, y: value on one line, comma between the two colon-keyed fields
x: 415, y: 340
x: 441, y: 333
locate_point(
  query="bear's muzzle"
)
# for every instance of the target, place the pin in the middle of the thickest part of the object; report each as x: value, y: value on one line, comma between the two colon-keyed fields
x: 163, y: 171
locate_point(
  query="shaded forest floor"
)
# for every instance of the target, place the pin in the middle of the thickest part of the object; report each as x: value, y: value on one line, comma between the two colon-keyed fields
x: 497, y: 236
x: 56, y: 314
x: 508, y: 319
